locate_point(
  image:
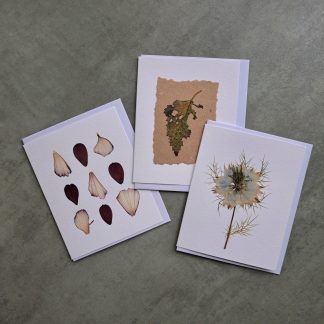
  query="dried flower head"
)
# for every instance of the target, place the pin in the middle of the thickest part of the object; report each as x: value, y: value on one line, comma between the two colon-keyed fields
x: 239, y: 184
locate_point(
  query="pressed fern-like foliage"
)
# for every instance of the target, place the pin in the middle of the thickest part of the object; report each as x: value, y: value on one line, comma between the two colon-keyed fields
x: 242, y: 228
x: 177, y: 116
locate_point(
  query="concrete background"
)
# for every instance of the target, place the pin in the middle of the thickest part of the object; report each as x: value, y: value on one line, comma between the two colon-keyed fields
x: 60, y: 58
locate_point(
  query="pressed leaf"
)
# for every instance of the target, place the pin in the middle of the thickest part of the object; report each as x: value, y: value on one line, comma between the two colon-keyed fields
x: 177, y: 116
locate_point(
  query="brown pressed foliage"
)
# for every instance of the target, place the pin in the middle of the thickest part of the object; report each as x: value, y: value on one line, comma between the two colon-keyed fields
x: 117, y: 172
x: 81, y: 153
x: 106, y: 214
x: 72, y: 193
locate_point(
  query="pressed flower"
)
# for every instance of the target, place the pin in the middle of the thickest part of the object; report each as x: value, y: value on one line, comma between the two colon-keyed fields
x: 95, y: 187
x: 239, y: 185
x: 61, y: 168
x: 129, y: 200
x: 103, y: 146
x: 81, y: 221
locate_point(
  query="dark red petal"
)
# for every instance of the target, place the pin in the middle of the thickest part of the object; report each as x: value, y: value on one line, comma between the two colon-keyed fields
x: 81, y: 153
x: 72, y: 193
x: 117, y: 172
x: 106, y: 214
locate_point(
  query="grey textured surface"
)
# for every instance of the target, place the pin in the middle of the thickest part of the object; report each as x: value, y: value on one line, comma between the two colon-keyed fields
x: 60, y: 58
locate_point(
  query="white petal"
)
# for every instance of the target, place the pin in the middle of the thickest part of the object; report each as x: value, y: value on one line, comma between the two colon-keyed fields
x: 129, y: 200
x: 96, y: 189
x: 61, y: 168
x: 103, y: 146
x: 81, y: 221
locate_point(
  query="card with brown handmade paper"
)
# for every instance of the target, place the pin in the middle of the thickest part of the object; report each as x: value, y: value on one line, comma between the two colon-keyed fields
x: 175, y: 98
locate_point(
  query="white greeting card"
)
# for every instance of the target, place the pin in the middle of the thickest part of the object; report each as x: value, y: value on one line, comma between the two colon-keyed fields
x: 175, y: 98
x: 84, y: 167
x: 243, y: 197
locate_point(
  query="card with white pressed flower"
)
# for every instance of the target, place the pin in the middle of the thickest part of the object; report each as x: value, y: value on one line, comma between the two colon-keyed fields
x: 249, y: 185
x: 84, y: 167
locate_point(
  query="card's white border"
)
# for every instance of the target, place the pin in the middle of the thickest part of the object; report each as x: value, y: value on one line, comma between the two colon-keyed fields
x: 116, y: 104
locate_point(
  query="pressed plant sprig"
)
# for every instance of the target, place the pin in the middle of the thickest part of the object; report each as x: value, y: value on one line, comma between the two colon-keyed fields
x: 177, y: 116
x: 239, y: 184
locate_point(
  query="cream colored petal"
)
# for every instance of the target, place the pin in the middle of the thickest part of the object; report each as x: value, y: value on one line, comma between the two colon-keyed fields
x: 61, y: 168
x: 129, y: 200
x: 96, y: 189
x: 81, y: 221
x: 103, y: 146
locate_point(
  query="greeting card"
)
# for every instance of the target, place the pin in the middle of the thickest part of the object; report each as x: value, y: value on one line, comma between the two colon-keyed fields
x: 175, y: 98
x: 243, y: 197
x: 84, y: 167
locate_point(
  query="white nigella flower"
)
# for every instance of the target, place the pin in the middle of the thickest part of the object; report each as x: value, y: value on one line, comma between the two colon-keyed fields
x: 239, y: 185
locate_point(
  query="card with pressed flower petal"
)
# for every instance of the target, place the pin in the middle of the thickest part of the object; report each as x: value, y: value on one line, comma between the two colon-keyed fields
x: 243, y: 197
x: 84, y: 167
x: 175, y: 97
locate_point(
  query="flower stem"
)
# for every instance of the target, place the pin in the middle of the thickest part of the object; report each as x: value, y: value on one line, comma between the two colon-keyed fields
x: 229, y: 229
x: 195, y: 95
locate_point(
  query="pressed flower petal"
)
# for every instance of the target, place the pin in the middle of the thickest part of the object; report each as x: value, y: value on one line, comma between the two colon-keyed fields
x: 103, y: 146
x: 81, y: 221
x: 72, y: 193
x: 81, y: 153
x: 129, y: 200
x: 117, y: 172
x: 61, y: 168
x: 96, y: 189
x: 106, y: 214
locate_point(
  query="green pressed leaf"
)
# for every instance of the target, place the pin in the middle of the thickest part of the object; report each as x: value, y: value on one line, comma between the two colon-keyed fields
x: 177, y: 116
